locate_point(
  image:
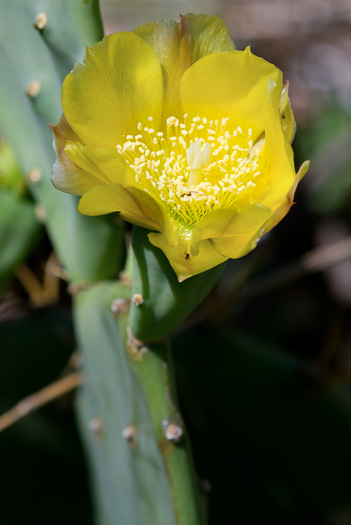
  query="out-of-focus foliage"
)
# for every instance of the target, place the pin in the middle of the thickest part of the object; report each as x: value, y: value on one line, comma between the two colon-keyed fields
x: 328, y: 140
x: 10, y: 173
x: 19, y: 226
x: 280, y: 432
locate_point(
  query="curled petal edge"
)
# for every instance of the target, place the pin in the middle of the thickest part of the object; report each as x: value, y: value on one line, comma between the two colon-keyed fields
x: 133, y: 205
x: 283, y: 209
x: 66, y: 175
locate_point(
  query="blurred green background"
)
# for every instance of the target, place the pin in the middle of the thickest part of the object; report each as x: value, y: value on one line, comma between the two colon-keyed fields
x: 264, y: 364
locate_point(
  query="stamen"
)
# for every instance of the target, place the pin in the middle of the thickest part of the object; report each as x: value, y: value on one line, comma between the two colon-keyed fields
x: 194, y: 166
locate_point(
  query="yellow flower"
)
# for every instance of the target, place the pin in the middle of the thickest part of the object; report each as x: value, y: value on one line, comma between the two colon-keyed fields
x: 181, y: 134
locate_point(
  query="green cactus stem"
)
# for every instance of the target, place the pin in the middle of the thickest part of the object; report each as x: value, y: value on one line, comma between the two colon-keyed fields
x: 135, y: 439
x: 160, y: 302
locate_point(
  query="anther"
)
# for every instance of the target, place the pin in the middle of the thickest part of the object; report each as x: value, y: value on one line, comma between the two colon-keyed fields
x: 196, y: 166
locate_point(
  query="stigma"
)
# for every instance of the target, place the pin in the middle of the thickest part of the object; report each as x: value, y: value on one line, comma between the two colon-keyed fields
x: 198, y: 159
x: 194, y: 166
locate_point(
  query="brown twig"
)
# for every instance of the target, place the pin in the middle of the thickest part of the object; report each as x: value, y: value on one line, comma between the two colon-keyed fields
x: 40, y: 398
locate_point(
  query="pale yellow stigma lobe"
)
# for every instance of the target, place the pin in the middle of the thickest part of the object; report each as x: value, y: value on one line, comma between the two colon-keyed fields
x: 198, y: 159
x: 194, y: 167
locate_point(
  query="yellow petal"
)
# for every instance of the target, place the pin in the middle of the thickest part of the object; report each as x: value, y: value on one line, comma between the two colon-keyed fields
x: 66, y: 175
x: 179, y: 45
x: 62, y: 132
x: 287, y: 202
x: 119, y: 85
x: 182, y: 263
x: 134, y: 205
x: 247, y: 89
x: 228, y: 223
x: 234, y: 84
x: 287, y: 115
x: 106, y: 164
x: 220, y: 235
x: 277, y: 163
x: 237, y: 245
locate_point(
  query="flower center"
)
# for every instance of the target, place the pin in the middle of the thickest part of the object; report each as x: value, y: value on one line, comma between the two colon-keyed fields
x: 194, y: 167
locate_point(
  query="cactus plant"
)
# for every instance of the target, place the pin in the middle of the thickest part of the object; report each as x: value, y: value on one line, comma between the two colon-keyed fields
x: 141, y: 470
x: 137, y: 445
x: 150, y: 480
